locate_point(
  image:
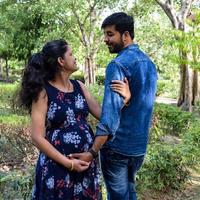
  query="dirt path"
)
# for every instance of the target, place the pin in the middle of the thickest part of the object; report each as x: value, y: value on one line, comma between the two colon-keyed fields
x: 166, y: 100
x: 193, y: 190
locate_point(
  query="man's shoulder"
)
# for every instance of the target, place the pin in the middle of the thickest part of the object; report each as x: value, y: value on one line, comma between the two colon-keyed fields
x: 133, y: 56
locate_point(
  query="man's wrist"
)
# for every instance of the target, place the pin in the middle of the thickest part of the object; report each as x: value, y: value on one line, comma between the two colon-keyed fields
x: 93, y: 153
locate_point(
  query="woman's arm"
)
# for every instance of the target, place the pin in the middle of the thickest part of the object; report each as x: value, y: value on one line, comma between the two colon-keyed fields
x: 122, y: 87
x: 38, y: 116
x: 94, y: 107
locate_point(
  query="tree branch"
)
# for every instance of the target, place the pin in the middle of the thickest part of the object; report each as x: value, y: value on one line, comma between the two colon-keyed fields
x: 81, y: 26
x: 185, y: 8
x: 170, y: 11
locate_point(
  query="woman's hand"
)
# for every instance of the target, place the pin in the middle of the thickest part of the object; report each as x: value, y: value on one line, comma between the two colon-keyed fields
x: 122, y: 87
x: 78, y: 165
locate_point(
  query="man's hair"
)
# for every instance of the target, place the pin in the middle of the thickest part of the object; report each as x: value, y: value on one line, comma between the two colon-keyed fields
x: 122, y: 22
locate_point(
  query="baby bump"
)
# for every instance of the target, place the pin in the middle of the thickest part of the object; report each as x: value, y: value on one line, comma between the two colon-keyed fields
x: 71, y: 141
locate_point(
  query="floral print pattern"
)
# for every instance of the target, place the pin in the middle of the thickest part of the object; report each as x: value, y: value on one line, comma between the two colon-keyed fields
x: 79, y: 101
x: 67, y: 130
x: 52, y: 109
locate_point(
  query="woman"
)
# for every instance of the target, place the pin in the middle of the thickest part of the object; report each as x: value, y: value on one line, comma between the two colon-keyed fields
x: 59, y: 107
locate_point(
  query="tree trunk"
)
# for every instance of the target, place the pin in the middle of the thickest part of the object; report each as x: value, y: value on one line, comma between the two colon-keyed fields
x: 1, y: 68
x: 186, y: 94
x: 195, y: 87
x: 7, y: 70
x: 189, y: 79
x: 89, y: 72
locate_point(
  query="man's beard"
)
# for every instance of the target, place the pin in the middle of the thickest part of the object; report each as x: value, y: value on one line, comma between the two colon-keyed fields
x: 116, y: 48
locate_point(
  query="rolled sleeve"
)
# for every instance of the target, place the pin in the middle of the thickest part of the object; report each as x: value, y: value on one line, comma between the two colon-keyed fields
x: 112, y: 103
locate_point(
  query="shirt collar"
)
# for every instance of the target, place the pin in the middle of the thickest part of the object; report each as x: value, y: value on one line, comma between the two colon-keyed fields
x: 129, y: 47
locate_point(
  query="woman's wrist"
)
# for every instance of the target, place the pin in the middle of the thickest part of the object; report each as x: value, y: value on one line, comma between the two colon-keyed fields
x: 71, y: 168
x: 126, y: 101
x: 70, y: 164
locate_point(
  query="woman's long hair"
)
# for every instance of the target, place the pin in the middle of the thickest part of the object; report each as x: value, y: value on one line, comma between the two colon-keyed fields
x: 42, y: 67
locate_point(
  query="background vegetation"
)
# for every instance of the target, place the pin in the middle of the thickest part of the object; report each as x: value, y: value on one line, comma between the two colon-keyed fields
x: 172, y: 43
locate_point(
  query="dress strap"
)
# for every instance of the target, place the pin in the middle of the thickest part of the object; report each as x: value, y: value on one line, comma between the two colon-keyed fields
x: 77, y: 86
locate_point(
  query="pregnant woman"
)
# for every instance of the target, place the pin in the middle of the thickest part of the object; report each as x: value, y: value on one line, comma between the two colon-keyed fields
x: 59, y: 108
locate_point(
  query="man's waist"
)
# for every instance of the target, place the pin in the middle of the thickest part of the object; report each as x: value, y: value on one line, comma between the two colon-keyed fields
x: 124, y: 151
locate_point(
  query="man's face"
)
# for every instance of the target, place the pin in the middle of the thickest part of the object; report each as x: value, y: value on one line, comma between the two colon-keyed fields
x: 113, y: 39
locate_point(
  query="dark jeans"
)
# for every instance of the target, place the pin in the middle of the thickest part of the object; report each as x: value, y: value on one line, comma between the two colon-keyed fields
x: 119, y: 174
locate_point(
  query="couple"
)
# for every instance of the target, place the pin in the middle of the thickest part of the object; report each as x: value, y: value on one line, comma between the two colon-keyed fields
x: 67, y: 167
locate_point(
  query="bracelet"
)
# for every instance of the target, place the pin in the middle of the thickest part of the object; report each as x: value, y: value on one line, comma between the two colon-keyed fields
x: 94, y: 154
x: 72, y: 166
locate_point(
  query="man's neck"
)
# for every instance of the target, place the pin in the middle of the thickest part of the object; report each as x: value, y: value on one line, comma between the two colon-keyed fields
x: 128, y: 44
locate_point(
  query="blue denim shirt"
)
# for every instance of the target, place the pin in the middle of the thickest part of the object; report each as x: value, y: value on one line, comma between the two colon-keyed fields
x: 128, y: 126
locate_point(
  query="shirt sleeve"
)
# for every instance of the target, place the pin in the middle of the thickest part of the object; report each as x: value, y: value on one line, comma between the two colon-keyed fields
x: 112, y: 103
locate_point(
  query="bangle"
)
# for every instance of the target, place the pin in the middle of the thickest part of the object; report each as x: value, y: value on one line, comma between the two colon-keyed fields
x: 94, y: 153
x: 72, y: 166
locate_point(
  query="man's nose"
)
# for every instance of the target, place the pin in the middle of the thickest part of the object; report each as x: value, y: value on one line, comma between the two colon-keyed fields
x: 106, y: 39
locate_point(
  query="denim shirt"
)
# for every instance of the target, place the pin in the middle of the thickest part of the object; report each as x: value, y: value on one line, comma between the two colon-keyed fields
x: 128, y: 126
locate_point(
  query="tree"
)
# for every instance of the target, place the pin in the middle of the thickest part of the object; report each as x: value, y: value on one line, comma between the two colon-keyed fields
x: 86, y: 27
x: 189, y: 80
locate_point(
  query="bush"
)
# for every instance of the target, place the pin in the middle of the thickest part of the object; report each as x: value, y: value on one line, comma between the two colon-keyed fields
x: 6, y: 94
x: 15, y: 145
x: 99, y: 78
x: 79, y: 77
x: 161, y: 87
x: 168, y: 119
x: 16, y: 184
x: 164, y: 169
x: 167, y: 88
x: 191, y: 144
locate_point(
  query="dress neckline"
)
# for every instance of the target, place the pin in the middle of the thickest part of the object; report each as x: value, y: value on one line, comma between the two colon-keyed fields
x: 58, y: 90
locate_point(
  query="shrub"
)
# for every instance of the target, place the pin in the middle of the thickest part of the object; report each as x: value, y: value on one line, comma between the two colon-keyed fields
x: 167, y: 88
x: 191, y: 144
x: 79, y: 77
x: 164, y: 169
x: 6, y: 94
x: 15, y: 145
x: 16, y: 184
x: 168, y: 119
x: 99, y: 78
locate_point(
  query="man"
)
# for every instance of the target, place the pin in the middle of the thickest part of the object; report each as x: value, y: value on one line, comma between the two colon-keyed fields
x: 122, y: 133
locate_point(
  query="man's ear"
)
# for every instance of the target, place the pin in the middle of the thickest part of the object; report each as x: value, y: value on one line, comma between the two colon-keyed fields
x: 126, y: 35
x: 60, y: 61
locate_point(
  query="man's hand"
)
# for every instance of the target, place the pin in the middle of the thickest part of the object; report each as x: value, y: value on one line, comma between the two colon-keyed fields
x: 85, y: 156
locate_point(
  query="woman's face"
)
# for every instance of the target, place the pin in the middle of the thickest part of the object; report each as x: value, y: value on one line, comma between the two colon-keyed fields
x: 68, y: 62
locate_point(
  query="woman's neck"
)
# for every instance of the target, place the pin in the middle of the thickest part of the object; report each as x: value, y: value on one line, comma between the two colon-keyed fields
x: 62, y: 82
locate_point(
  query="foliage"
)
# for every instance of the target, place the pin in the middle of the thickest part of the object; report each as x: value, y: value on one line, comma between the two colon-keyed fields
x: 164, y: 169
x: 167, y: 88
x: 99, y: 79
x: 191, y: 143
x: 188, y: 42
x: 15, y: 145
x: 16, y: 184
x: 6, y: 94
x: 169, y: 120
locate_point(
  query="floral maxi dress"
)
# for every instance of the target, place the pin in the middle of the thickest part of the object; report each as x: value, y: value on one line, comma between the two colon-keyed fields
x: 68, y: 131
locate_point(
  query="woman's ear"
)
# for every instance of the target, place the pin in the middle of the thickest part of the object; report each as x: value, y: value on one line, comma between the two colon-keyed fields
x: 60, y: 61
